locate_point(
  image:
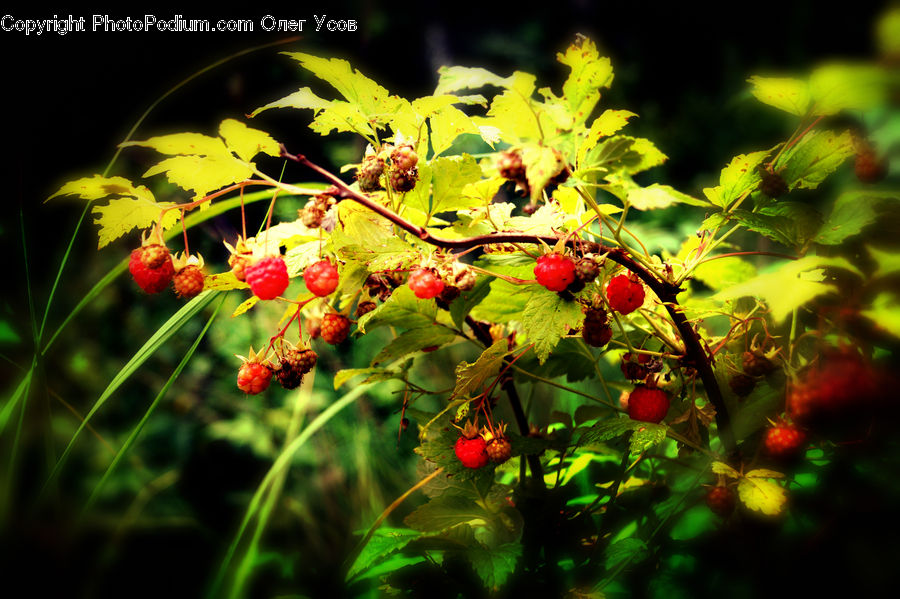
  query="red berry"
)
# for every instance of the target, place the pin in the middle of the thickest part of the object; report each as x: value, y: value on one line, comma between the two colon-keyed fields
x: 404, y: 180
x: 335, y: 328
x: 868, y: 168
x: 596, y: 333
x: 472, y: 452
x: 321, y: 278
x: 648, y: 405
x: 840, y: 391
x: 624, y: 295
x: 154, y: 255
x: 634, y: 368
x: 720, y: 500
x: 188, y: 282
x: 784, y: 441
x: 425, y: 283
x: 554, y: 271
x: 150, y: 280
x: 254, y: 377
x: 268, y: 278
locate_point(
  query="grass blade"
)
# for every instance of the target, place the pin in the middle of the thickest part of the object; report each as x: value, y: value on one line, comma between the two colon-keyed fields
x: 140, y: 425
x: 280, y: 463
x: 18, y: 394
x: 171, y: 326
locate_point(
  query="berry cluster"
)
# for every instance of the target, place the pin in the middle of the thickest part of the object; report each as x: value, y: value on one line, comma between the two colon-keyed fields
x: 475, y: 449
x: 321, y: 278
x: 369, y: 174
x: 268, y: 277
x: 554, y: 271
x: 151, y: 279
x: 648, y: 404
x: 625, y: 294
x: 315, y: 210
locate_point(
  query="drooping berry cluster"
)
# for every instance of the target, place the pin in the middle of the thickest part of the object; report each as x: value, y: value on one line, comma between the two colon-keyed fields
x: 425, y: 283
x: 624, y: 294
x: 784, y: 441
x: 268, y: 278
x: 772, y: 184
x: 335, y: 328
x: 554, y: 271
x: 314, y: 211
x: 868, y: 167
x: 151, y: 279
x: 635, y: 367
x: 369, y: 174
x: 188, y: 281
x: 293, y: 364
x: 255, y: 374
x: 721, y: 500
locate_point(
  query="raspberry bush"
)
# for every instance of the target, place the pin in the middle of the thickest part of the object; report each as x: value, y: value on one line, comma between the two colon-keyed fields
x: 577, y: 401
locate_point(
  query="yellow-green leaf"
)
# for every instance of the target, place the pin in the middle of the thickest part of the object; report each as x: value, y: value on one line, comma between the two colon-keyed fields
x: 223, y: 281
x: 604, y: 125
x: 451, y: 79
x: 723, y: 468
x: 448, y: 124
x: 97, y: 187
x: 817, y: 155
x: 739, y: 177
x: 784, y: 93
x: 659, y: 196
x: 762, y: 495
x: 245, y: 305
x: 302, y: 98
x: 247, y: 142
x: 846, y: 86
x: 122, y: 215
x: 202, y: 174
x: 541, y: 164
x: 589, y: 73
x: 184, y: 144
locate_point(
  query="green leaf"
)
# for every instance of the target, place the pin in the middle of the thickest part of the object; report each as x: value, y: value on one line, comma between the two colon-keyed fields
x: 97, y: 187
x: 471, y: 378
x: 121, y: 215
x: 403, y: 309
x: 846, y: 86
x: 784, y: 93
x: 660, y: 196
x: 547, y: 318
x: 390, y: 253
x: 512, y: 112
x: 603, y: 126
x: 446, y: 511
x: 723, y: 468
x: 723, y: 273
x: 461, y: 306
x: 451, y: 79
x: 789, y: 285
x: 302, y: 98
x: 761, y: 495
x: 888, y: 262
x: 448, y: 124
x: 624, y: 155
x: 646, y: 436
x: 589, y: 72
x: 247, y: 142
x: 383, y: 543
x: 494, y: 565
x: 815, y: 157
x: 373, y: 375
x: 504, y: 302
x: 186, y: 144
x: 605, y: 430
x: 884, y: 313
x: 625, y: 549
x: 427, y: 337
x: 202, y: 174
x: 356, y: 88
x: 738, y: 178
x: 852, y: 212
x: 450, y: 176
x: 541, y: 164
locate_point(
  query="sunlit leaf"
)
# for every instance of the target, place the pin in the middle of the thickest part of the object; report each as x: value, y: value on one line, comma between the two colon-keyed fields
x: 247, y: 142
x: 202, y: 174
x: 471, y: 378
x: 430, y: 336
x: 784, y: 93
x: 815, y: 157
x: 845, y: 86
x: 761, y: 495
x: 546, y: 319
x: 183, y: 144
x: 122, y: 215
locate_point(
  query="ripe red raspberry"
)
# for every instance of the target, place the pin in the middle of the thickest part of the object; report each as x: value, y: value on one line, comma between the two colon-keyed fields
x: 150, y: 280
x: 624, y: 295
x: 868, y: 168
x: 720, y: 500
x: 634, y: 367
x: 472, y: 452
x: 188, y: 282
x: 254, y: 377
x: 268, y: 278
x: 321, y: 278
x: 404, y: 157
x: 404, y: 180
x: 155, y: 255
x: 335, y: 328
x: 838, y: 393
x: 784, y: 441
x: 648, y: 405
x: 554, y: 271
x: 425, y: 283
x: 369, y: 173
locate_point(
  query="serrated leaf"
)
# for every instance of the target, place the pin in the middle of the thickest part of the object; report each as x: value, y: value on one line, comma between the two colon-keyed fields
x: 471, y: 378
x: 541, y: 164
x: 624, y: 155
x: 772, y: 226
x: 461, y: 306
x: 430, y: 336
x: 504, y: 302
x: 449, y: 177
x: 121, y: 215
x: 223, y: 281
x: 302, y: 98
x: 784, y: 93
x: 446, y: 511
x: 625, y: 549
x: 383, y: 543
x: 546, y: 319
x: 372, y: 375
x: 390, y: 254
x: 852, y: 212
x: 788, y: 286
x: 448, y: 124
x: 646, y: 436
x: 244, y: 306
x: 202, y: 174
x: 494, y: 565
x: 761, y: 495
x: 739, y: 177
x: 603, y: 126
x: 451, y: 79
x: 98, y: 187
x: 844, y: 86
x: 356, y: 88
x: 659, y: 196
x: 247, y: 142
x: 512, y: 113
x: 183, y: 144
x: 403, y: 309
x: 605, y: 430
x: 764, y: 473
x: 725, y: 469
x: 589, y: 72
x: 815, y: 157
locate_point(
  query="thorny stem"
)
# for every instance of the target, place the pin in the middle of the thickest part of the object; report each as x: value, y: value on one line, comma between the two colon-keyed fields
x: 666, y: 291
